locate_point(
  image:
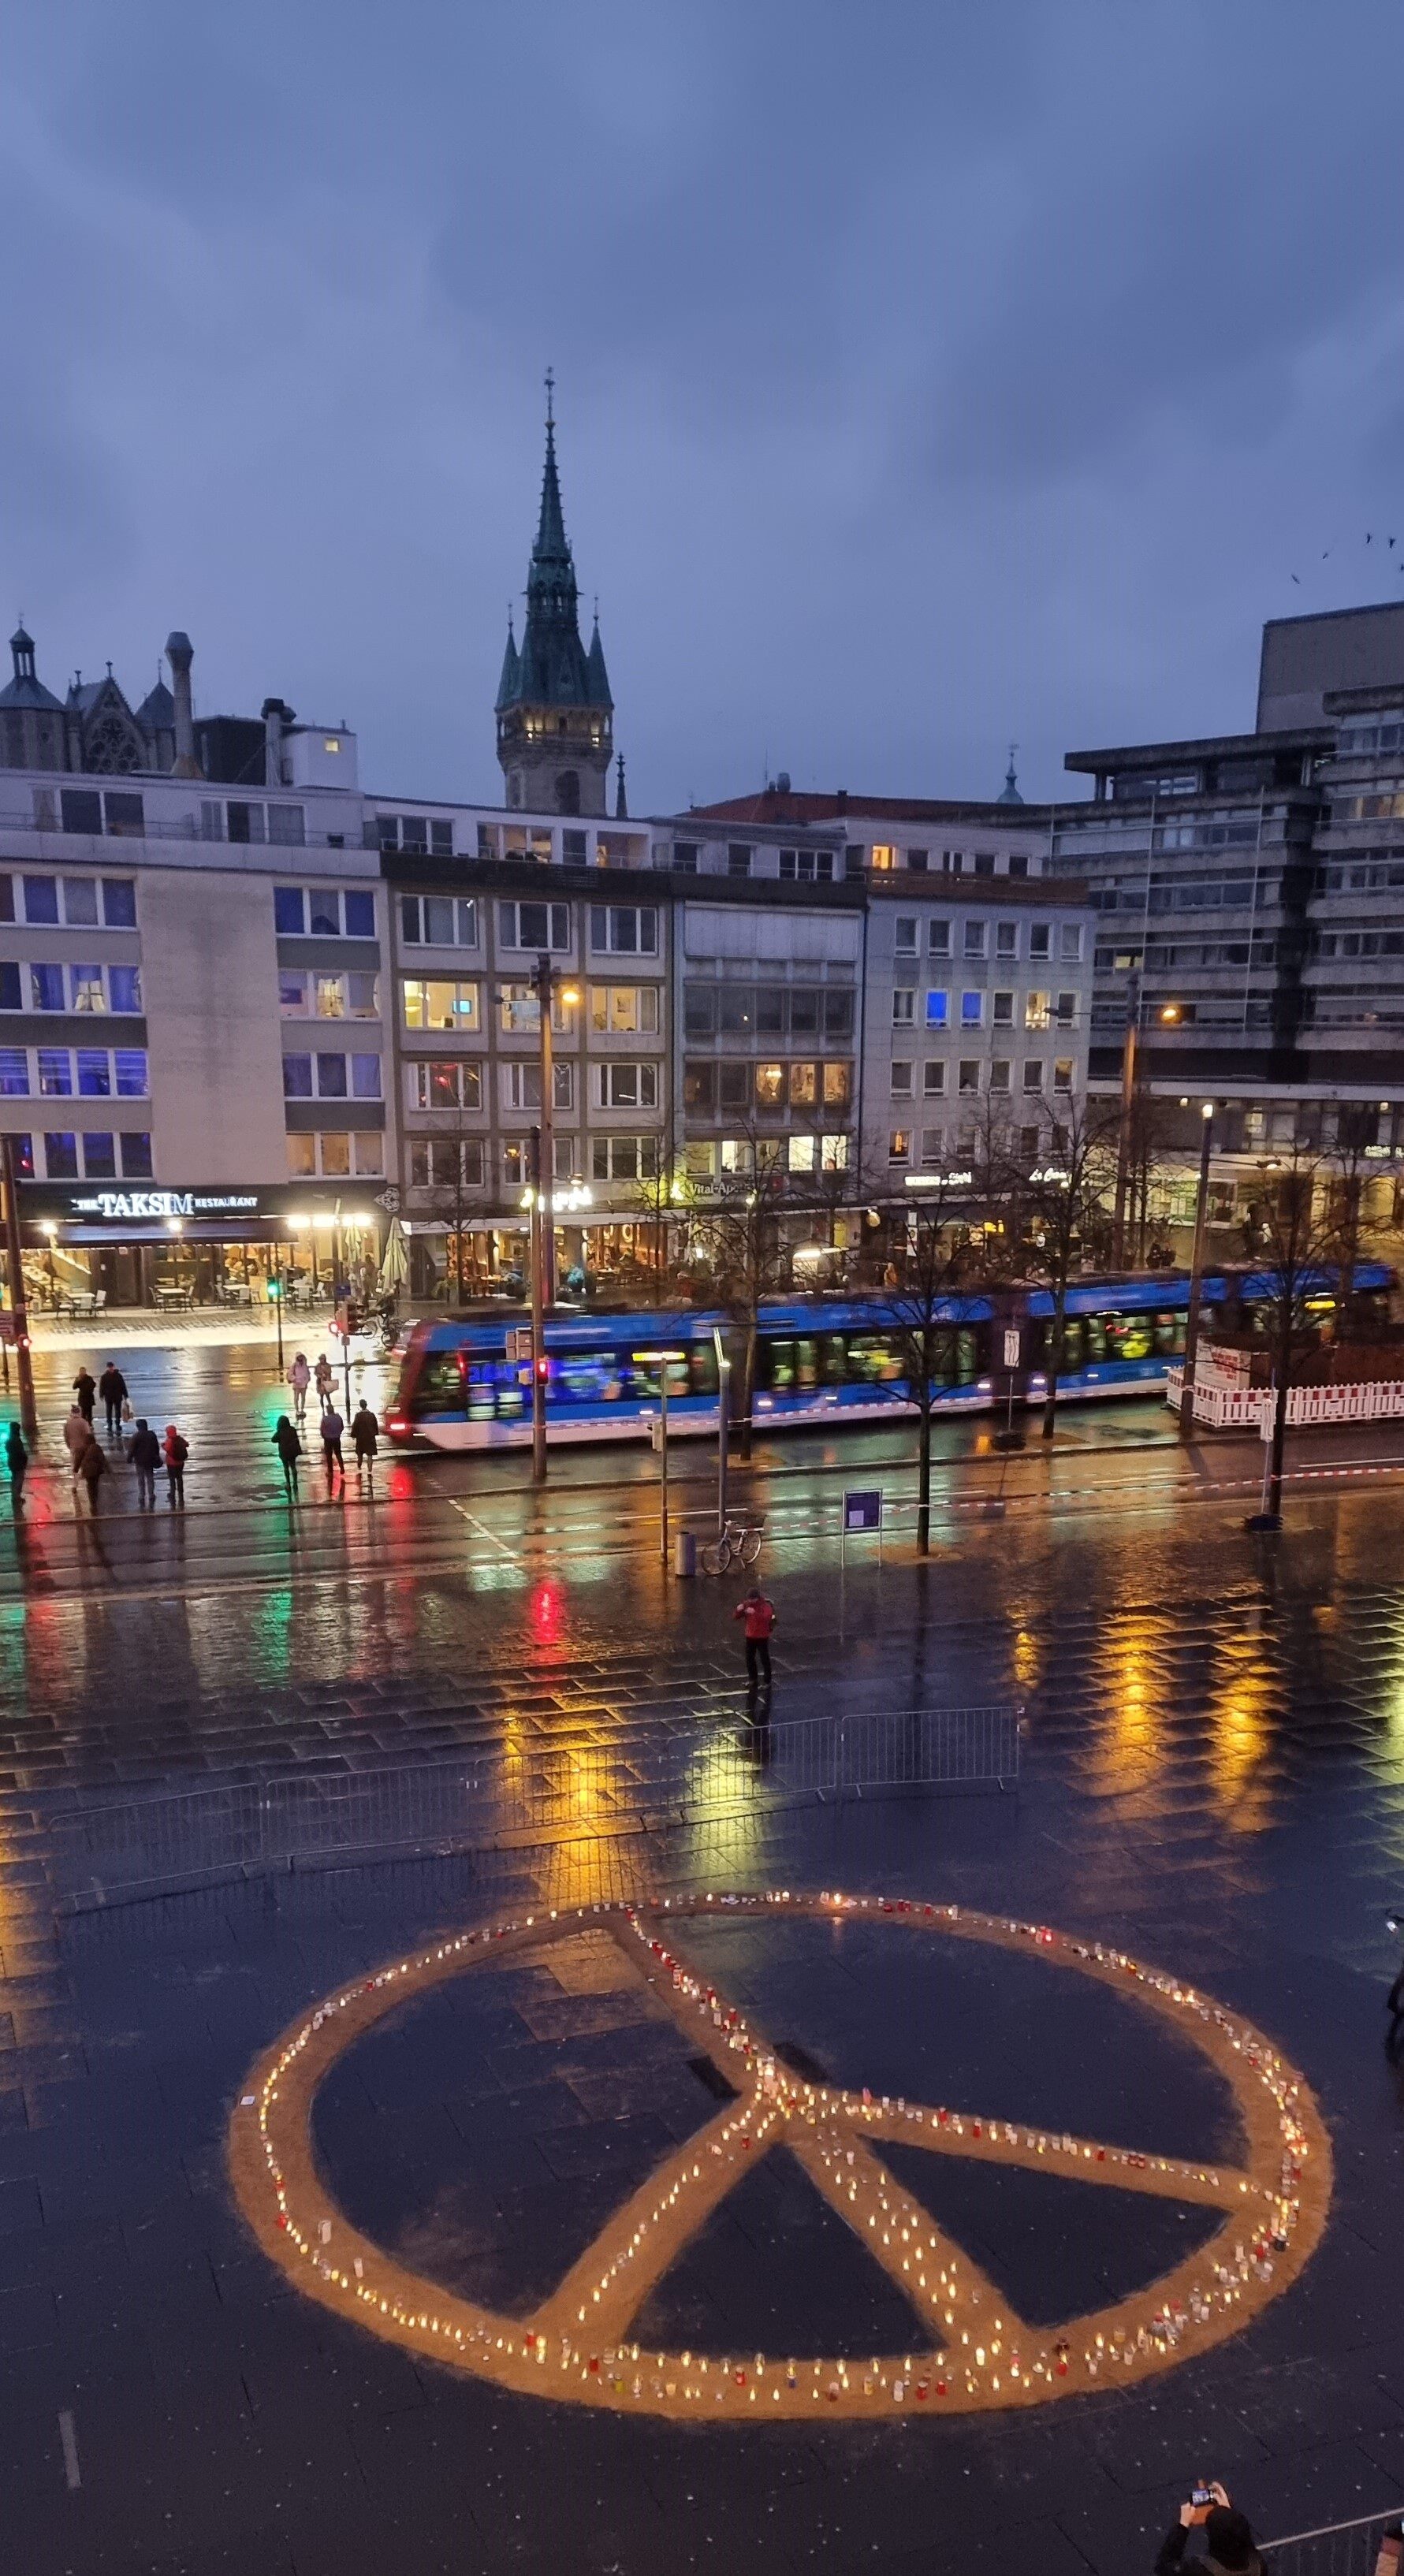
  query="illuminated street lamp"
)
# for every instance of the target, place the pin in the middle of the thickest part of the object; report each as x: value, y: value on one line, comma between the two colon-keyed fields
x: 1201, y: 1205
x: 543, y: 1213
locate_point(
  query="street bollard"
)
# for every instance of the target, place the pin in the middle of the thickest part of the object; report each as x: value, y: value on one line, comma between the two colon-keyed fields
x: 684, y: 1553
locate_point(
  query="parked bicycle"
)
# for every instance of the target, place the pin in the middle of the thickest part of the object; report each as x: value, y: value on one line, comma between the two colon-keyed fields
x: 739, y: 1544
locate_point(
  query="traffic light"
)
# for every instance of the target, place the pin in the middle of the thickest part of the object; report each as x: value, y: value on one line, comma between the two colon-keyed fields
x: 348, y: 1318
x: 543, y: 1368
x: 275, y: 1292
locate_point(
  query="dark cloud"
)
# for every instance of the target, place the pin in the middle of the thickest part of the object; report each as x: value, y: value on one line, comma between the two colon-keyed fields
x: 926, y: 375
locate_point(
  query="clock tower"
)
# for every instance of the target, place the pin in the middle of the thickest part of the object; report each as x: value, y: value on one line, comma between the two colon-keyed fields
x: 555, y: 715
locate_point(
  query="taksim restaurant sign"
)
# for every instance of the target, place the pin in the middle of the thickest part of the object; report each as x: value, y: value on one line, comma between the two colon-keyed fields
x: 117, y: 1207
x: 148, y: 1203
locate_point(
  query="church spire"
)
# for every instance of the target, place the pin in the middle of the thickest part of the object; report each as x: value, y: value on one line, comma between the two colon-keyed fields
x: 550, y: 556
x: 507, y: 685
x: 553, y: 703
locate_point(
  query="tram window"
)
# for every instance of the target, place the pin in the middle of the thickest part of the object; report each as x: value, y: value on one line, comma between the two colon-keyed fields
x: 874, y: 1360
x: 967, y: 1357
x: 1074, y: 1341
x: 806, y: 1365
x: 1095, y: 1327
x: 702, y: 1365
x: 833, y: 1359
x: 1169, y: 1333
x: 778, y: 1368
x: 1129, y: 1337
x: 440, y: 1388
x: 482, y: 1391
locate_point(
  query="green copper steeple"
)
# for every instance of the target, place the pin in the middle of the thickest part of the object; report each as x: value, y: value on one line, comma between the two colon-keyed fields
x: 554, y: 709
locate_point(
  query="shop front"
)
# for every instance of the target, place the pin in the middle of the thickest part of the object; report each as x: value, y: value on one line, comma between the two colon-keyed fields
x: 483, y: 1259
x: 88, y: 1249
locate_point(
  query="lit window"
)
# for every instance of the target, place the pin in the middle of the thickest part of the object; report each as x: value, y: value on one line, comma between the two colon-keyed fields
x: 899, y: 1145
x: 938, y: 1010
x: 972, y: 1010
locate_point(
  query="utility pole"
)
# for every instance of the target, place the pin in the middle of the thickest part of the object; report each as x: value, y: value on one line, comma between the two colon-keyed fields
x: 1201, y: 1206
x: 1129, y: 1048
x: 19, y: 1309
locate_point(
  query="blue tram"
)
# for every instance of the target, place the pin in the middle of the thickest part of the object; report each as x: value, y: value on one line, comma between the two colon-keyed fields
x: 820, y: 1363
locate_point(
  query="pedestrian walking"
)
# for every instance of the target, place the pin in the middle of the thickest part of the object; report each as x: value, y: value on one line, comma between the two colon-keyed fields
x: 17, y: 1462
x: 289, y: 1448
x: 144, y: 1451
x: 759, y: 1615
x: 85, y: 1394
x: 77, y: 1432
x: 89, y: 1468
x: 365, y: 1433
x: 326, y: 1380
x: 299, y: 1379
x: 112, y: 1387
x: 332, y: 1428
x: 175, y: 1451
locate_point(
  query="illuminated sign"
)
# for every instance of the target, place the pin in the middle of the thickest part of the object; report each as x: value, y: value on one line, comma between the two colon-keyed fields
x: 114, y: 1205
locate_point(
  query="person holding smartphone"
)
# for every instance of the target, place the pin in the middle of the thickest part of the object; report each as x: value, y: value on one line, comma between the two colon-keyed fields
x: 1229, y: 2546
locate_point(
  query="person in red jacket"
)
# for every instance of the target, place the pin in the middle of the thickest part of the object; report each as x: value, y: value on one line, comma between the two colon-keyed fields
x: 759, y: 1615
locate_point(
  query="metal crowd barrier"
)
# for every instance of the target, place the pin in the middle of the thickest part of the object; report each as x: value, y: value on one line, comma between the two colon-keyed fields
x: 550, y: 1790
x: 1337, y: 2549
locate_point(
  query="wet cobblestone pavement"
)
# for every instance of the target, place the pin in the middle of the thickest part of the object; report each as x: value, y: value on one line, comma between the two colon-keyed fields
x: 1214, y: 1776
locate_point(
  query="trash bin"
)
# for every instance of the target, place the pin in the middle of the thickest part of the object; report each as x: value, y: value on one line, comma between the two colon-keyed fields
x: 684, y: 1553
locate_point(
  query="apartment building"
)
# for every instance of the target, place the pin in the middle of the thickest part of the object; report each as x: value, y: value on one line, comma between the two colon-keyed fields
x: 466, y: 937
x: 1248, y: 892
x: 192, y: 1053
x: 977, y: 1019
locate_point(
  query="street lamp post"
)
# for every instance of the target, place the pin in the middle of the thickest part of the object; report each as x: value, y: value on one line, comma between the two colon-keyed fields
x: 543, y: 1212
x: 660, y: 1360
x: 1129, y: 1047
x: 19, y: 1308
x: 1201, y: 1206
x: 723, y: 1430
x: 275, y: 1291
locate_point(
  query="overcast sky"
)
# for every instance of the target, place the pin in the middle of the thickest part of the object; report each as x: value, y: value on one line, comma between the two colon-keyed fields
x: 927, y: 374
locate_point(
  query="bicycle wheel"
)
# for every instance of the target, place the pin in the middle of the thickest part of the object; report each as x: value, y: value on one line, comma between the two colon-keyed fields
x: 715, y: 1557
x: 750, y: 1546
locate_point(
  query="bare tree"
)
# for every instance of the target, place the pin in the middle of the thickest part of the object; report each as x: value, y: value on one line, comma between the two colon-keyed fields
x: 1308, y: 1212
x: 741, y: 1233
x: 455, y: 1149
x: 940, y: 1261
x: 1059, y: 1201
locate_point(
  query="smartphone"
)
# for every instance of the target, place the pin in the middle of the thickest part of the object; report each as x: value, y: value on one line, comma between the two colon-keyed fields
x: 1201, y: 2495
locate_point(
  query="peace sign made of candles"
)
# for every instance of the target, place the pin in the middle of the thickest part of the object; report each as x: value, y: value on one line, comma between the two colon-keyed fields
x: 969, y: 2348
